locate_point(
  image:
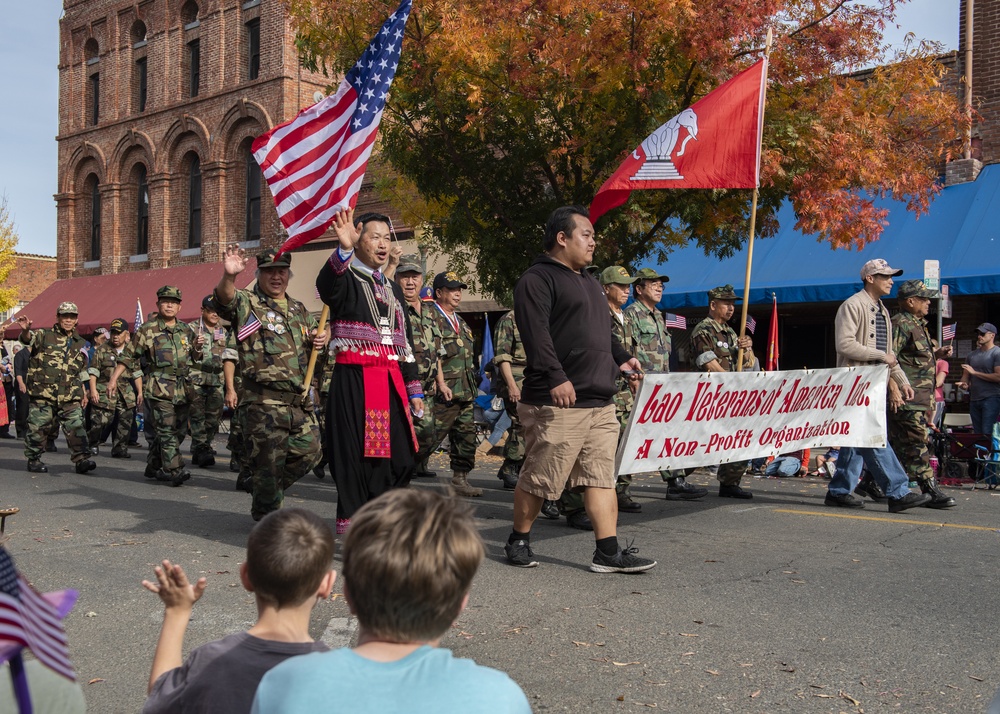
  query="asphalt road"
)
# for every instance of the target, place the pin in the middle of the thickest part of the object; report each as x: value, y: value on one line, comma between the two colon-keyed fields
x: 775, y: 604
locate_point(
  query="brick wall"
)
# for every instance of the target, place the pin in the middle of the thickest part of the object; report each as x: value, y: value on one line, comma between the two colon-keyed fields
x: 31, y: 275
x: 985, y: 76
x: 216, y: 125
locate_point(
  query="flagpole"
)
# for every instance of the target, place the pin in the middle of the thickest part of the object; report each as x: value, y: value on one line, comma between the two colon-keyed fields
x: 753, y: 211
x: 323, y: 316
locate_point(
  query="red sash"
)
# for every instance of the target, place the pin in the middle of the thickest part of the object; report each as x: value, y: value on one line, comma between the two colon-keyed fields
x: 4, y: 416
x: 377, y: 372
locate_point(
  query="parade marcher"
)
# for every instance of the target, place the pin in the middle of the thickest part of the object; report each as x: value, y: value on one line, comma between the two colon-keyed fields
x: 908, y: 427
x: 21, y: 359
x: 715, y: 347
x: 457, y: 386
x: 863, y: 336
x: 275, y: 335
x: 116, y: 407
x: 570, y: 430
x: 649, y: 341
x: 57, y: 387
x: 322, y: 379
x: 426, y: 345
x: 208, y: 381
x: 508, y: 375
x: 375, y: 385
x: 164, y: 348
x: 981, y: 376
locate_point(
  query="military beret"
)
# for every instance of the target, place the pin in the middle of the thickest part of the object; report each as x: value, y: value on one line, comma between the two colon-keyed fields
x: 67, y: 308
x: 269, y: 259
x: 723, y: 292
x: 448, y: 280
x: 409, y: 264
x: 616, y: 275
x: 650, y: 274
x: 916, y: 288
x: 168, y: 292
x: 119, y: 325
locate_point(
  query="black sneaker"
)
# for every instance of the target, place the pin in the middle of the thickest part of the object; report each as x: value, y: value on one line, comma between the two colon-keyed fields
x: 845, y: 500
x: 37, y: 467
x: 550, y: 509
x: 624, y: 561
x: 910, y: 500
x: 519, y: 553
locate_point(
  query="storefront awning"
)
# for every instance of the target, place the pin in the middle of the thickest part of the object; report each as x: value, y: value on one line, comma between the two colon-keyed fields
x: 102, y: 298
x: 961, y: 231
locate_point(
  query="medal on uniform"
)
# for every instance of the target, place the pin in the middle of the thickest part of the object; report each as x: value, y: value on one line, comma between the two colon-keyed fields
x: 279, y: 329
x: 270, y: 327
x: 459, y: 342
x: 278, y: 318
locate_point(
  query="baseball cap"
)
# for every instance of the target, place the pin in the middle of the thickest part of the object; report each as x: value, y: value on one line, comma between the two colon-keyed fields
x: 119, y: 325
x: 987, y: 327
x: 616, y: 275
x: 67, y: 308
x: 169, y: 292
x: 650, y: 274
x: 270, y: 259
x: 209, y: 302
x: 448, y: 280
x: 916, y: 288
x: 409, y: 264
x: 877, y: 266
x: 723, y: 292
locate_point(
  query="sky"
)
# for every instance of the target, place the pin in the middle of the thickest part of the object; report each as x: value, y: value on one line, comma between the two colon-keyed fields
x: 29, y: 48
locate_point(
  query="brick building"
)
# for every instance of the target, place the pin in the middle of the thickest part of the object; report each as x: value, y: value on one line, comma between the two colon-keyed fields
x: 29, y: 277
x: 159, y: 102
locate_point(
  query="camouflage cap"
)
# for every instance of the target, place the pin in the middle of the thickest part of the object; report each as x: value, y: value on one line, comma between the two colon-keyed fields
x: 448, y: 280
x: 409, y: 264
x: 270, y: 259
x: 650, y: 274
x: 67, y: 308
x: 916, y: 288
x: 119, y: 325
x: 168, y: 292
x: 723, y: 292
x: 616, y: 275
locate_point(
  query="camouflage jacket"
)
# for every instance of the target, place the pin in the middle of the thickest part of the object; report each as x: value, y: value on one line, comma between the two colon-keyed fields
x: 103, y: 363
x: 458, y: 357
x: 219, y: 347
x: 166, y: 356
x: 650, y: 340
x: 426, y: 344
x: 623, y: 400
x: 710, y: 340
x: 57, y: 370
x: 276, y: 355
x: 507, y: 347
x: 912, y: 345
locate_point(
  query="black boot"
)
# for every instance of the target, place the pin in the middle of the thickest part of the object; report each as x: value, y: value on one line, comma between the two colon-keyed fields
x: 867, y: 487
x: 939, y: 499
x: 680, y: 490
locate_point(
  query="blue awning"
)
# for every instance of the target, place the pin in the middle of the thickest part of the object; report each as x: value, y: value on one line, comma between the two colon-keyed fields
x: 962, y: 231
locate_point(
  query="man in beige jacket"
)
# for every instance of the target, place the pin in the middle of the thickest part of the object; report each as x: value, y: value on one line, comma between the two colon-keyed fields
x: 863, y: 337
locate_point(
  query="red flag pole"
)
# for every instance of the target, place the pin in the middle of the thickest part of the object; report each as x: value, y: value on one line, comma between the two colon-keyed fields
x: 753, y: 209
x: 772, y: 337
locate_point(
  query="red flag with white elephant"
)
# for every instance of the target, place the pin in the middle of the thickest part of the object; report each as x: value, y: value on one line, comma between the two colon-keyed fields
x: 714, y: 143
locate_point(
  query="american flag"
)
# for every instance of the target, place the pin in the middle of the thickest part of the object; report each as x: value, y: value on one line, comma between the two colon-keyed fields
x: 751, y: 324
x: 220, y: 332
x: 138, y: 315
x: 250, y: 327
x: 29, y: 620
x: 948, y: 331
x: 678, y: 322
x: 314, y: 164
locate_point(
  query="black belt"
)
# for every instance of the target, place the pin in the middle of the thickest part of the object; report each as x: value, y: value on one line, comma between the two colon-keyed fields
x: 293, y: 399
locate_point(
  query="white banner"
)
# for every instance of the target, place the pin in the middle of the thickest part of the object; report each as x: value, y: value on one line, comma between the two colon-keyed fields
x: 698, y: 419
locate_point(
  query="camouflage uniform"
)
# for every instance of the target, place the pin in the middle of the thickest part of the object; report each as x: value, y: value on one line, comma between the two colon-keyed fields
x: 167, y: 354
x: 323, y: 371
x: 426, y: 349
x: 209, y: 389
x: 711, y: 340
x: 57, y: 376
x: 118, y: 406
x: 236, y: 443
x: 908, y: 431
x: 281, y: 430
x: 508, y: 348
x: 455, y: 418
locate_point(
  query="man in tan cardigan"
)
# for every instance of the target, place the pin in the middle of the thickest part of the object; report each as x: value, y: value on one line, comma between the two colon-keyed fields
x: 864, y: 337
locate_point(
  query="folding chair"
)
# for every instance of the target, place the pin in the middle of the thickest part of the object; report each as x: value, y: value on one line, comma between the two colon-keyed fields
x: 987, y: 464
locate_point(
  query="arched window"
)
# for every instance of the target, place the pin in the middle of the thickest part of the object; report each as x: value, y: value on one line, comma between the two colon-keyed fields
x: 253, y: 186
x: 95, y: 217
x: 142, y: 212
x: 194, y: 202
x: 189, y: 13
x: 138, y: 33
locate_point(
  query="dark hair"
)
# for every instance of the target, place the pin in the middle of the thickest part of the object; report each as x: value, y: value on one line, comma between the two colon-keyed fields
x: 366, y: 218
x: 288, y: 553
x: 561, y: 221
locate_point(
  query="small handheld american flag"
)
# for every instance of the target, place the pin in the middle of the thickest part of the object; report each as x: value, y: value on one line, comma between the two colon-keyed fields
x: 138, y: 315
x: 751, y: 324
x: 678, y: 322
x: 948, y: 331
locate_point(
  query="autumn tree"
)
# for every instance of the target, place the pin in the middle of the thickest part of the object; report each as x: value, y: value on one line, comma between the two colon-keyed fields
x: 8, y: 242
x: 502, y: 110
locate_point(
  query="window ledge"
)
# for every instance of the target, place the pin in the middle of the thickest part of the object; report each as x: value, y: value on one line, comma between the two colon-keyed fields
x: 192, y: 25
x: 250, y: 3
x: 90, y: 264
x: 188, y: 252
x: 139, y: 44
x: 250, y: 244
x: 144, y: 258
x: 93, y: 60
